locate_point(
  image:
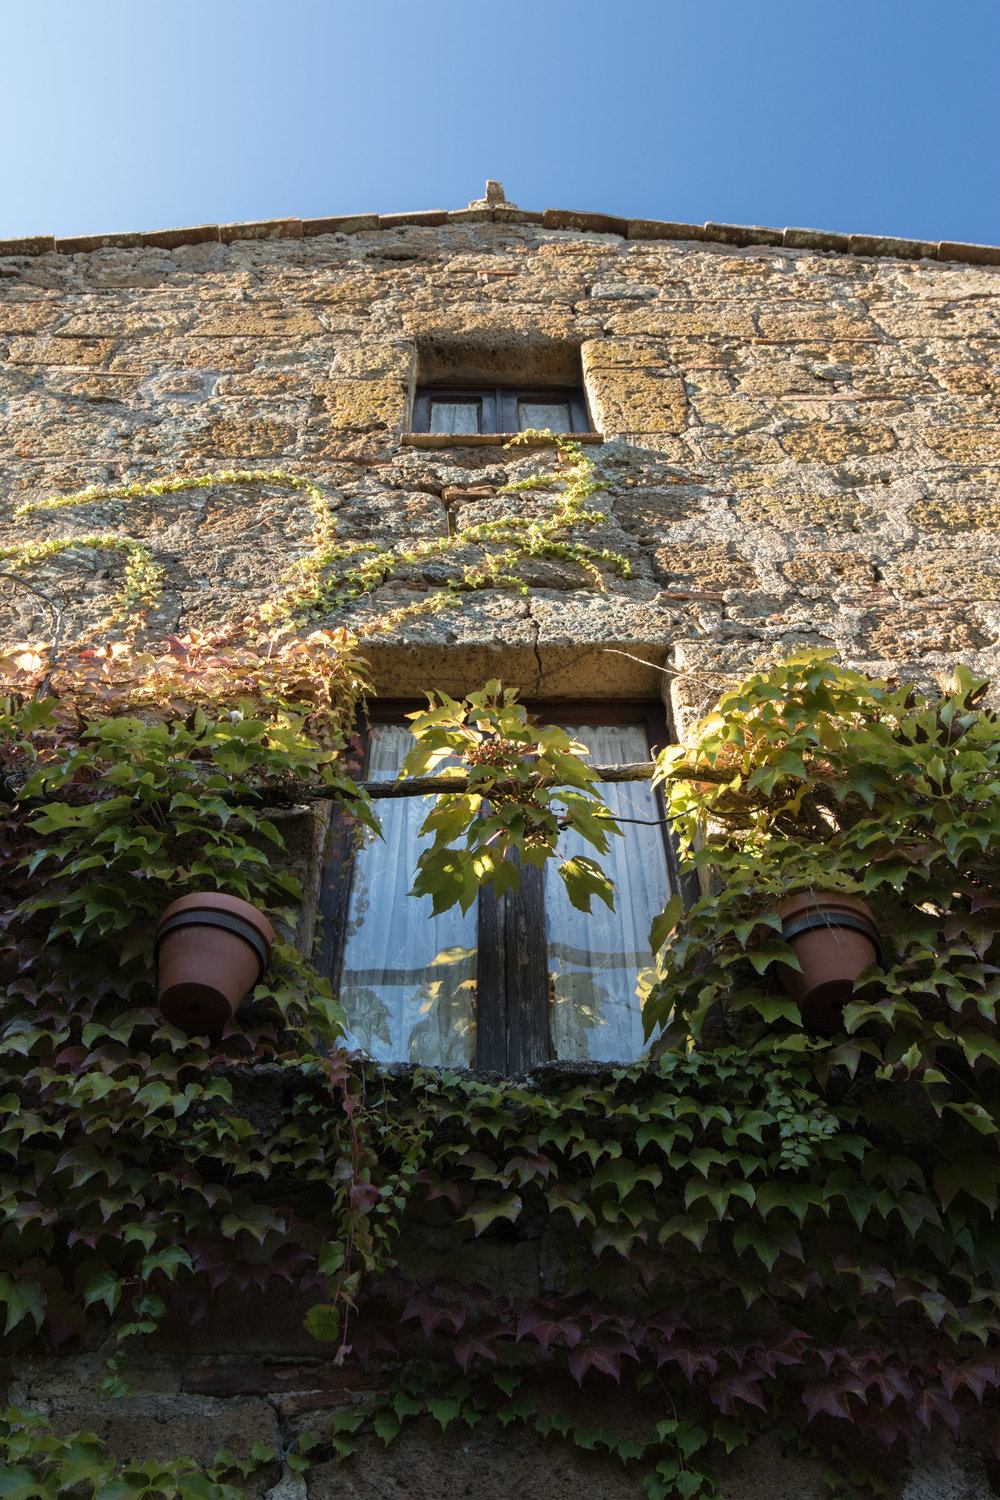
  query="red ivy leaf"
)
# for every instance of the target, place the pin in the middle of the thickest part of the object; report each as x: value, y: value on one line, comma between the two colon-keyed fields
x: 538, y: 1322
x: 431, y: 1313
x: 604, y: 1353
x: 829, y: 1398
x: 480, y: 1340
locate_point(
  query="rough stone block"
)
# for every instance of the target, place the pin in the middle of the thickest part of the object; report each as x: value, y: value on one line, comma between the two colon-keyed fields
x: 340, y: 224
x: 425, y: 219
x: 743, y: 234
x: 504, y: 214
x: 741, y: 449
x: 826, y: 569
x: 880, y: 244
x: 471, y: 216
x: 28, y: 317
x: 831, y: 443
x: 31, y: 244
x: 260, y: 320
x: 261, y: 229
x: 711, y: 566
x: 243, y: 437
x: 953, y: 574
x: 170, y: 239
x: 568, y: 218
x: 663, y: 229
x: 815, y: 239
x: 490, y: 1462
x: 363, y: 405
x: 84, y: 244
x: 52, y: 351
x: 168, y: 1428
x: 622, y: 290
x: 973, y: 255
x: 633, y: 399
x: 937, y: 320
x: 694, y: 318
x: 964, y: 444
x: 808, y: 324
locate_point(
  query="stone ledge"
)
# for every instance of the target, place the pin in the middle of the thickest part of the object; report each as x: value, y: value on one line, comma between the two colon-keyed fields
x: 880, y: 244
x: 170, y: 239
x: 739, y: 235
x: 742, y: 234
x: 83, y: 244
x: 340, y: 224
x: 430, y: 219
x: 261, y: 229
x: 571, y: 218
x: 489, y: 439
x: 816, y: 239
x: 663, y: 229
x: 32, y: 244
x: 503, y: 213
x: 972, y: 255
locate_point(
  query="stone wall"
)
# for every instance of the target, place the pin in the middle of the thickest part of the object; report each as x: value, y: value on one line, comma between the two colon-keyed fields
x: 800, y: 442
x: 800, y: 446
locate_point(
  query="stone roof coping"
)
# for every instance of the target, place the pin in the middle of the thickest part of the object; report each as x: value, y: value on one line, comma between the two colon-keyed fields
x: 499, y: 211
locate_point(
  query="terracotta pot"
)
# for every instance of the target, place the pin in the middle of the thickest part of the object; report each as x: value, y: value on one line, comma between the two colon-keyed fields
x: 834, y: 937
x: 210, y: 950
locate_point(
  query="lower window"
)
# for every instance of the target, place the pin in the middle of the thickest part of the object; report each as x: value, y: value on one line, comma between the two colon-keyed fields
x: 516, y: 981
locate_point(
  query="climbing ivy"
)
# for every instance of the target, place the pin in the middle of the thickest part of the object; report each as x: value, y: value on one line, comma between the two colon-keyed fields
x: 754, y: 1229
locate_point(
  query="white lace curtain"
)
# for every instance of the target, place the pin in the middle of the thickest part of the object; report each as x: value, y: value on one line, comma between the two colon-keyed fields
x: 409, y: 977
x: 599, y: 963
x: 408, y: 981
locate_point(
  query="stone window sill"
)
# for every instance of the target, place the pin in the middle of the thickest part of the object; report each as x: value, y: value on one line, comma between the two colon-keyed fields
x: 490, y: 439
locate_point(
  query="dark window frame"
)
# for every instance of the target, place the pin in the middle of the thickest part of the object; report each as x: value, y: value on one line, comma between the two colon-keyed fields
x: 512, y: 999
x: 498, y: 413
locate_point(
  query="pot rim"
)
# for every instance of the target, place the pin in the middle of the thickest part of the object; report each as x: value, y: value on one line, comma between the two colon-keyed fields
x: 222, y: 903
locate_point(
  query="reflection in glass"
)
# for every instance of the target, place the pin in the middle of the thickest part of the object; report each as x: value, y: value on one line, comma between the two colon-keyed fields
x: 454, y: 416
x: 553, y: 415
x: 599, y: 963
x: 408, y: 980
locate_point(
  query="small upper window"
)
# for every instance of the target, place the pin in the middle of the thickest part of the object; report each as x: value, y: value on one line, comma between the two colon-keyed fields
x: 498, y: 409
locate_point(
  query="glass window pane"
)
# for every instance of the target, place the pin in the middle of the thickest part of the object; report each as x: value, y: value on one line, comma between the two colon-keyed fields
x: 541, y: 414
x: 454, y: 416
x: 408, y: 981
x: 600, y: 965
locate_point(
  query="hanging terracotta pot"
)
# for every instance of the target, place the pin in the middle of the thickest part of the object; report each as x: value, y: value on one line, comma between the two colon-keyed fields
x: 210, y: 950
x: 834, y: 937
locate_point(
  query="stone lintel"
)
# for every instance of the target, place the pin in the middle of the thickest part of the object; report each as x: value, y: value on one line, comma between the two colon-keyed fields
x: 340, y: 224
x: 471, y: 215
x: 816, y: 239
x: 261, y: 229
x: 742, y: 234
x: 663, y: 229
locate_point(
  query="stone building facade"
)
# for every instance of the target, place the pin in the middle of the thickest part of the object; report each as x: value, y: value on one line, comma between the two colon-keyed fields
x: 798, y: 434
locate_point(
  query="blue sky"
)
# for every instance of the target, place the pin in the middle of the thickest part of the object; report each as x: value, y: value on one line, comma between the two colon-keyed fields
x: 872, y: 116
